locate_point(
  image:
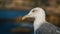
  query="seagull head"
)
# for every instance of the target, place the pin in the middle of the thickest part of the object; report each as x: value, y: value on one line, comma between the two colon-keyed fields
x: 35, y: 13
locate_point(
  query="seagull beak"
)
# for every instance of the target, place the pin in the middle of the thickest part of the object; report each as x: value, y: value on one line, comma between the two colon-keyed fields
x: 24, y: 17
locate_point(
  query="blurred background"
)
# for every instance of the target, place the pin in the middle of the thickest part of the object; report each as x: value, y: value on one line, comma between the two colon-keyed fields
x: 11, y: 12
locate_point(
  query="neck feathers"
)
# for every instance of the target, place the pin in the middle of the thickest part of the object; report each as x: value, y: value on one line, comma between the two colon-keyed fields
x: 39, y: 19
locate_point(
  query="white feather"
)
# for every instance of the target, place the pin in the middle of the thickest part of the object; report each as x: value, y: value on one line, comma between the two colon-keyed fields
x: 39, y: 15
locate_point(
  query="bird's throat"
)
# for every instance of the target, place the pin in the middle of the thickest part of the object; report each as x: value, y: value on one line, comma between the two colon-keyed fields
x: 38, y: 22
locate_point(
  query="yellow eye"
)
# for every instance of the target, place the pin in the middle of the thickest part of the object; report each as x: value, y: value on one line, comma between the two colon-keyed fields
x: 33, y: 10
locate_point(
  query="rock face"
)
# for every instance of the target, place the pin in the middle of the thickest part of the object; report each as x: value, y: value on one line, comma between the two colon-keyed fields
x: 17, y: 4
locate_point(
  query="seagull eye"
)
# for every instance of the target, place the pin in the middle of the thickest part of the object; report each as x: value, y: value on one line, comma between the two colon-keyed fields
x: 33, y: 11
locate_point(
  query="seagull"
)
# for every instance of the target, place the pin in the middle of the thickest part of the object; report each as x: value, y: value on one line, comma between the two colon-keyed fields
x: 41, y: 26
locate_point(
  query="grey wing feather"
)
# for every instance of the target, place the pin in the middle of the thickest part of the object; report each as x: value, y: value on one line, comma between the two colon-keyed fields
x: 47, y: 28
